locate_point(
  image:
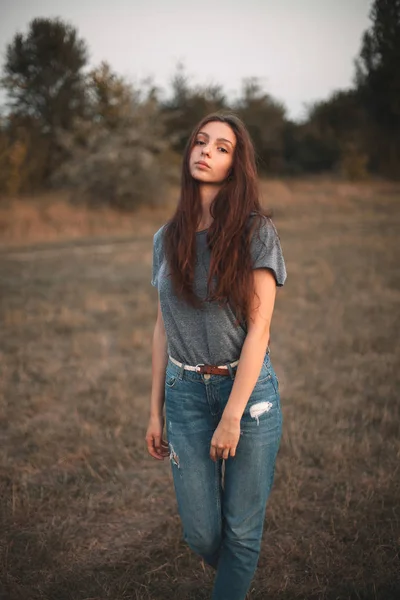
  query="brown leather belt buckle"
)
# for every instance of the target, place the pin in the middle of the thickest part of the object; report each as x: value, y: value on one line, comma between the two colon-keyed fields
x: 211, y: 370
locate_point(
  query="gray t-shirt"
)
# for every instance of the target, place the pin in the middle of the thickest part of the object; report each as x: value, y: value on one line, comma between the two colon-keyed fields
x: 209, y: 335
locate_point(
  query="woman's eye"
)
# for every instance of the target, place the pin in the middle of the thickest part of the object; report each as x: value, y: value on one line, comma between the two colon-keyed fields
x: 199, y: 142
x: 224, y: 149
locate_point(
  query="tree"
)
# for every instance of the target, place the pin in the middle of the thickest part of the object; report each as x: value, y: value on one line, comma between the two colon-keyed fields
x: 120, y: 157
x: 43, y: 77
x: 378, y: 82
x: 333, y: 132
x: 109, y: 98
x: 24, y: 155
x: 265, y: 120
x: 188, y: 105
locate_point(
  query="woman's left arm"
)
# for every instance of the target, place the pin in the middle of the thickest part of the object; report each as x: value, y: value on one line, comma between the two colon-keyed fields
x: 226, y: 436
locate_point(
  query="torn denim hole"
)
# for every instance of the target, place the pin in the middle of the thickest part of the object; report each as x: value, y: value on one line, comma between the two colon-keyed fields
x: 173, y: 457
x: 259, y: 409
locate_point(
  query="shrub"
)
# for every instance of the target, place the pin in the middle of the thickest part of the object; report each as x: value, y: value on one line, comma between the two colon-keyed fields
x: 122, y: 166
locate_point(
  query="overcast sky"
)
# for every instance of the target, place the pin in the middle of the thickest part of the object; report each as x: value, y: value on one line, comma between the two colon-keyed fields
x: 302, y: 50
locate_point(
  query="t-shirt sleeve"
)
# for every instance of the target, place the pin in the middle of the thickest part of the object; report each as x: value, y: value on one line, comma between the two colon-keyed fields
x: 155, y: 267
x: 157, y: 259
x: 267, y: 252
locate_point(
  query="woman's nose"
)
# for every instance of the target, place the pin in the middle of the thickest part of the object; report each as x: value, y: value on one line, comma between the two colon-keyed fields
x: 205, y: 149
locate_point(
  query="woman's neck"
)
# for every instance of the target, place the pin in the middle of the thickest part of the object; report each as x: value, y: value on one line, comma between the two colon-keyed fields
x: 207, y: 195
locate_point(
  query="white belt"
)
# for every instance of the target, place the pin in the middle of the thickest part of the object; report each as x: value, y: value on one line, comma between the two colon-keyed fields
x: 190, y: 368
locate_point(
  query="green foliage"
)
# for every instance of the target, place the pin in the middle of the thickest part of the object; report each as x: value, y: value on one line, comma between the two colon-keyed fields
x: 187, y: 105
x: 43, y: 73
x: 24, y: 155
x: 44, y: 81
x: 353, y: 162
x: 264, y: 117
x: 109, y: 143
x: 108, y: 96
x: 307, y: 150
x: 332, y: 126
x: 378, y: 81
x: 116, y: 159
x: 265, y: 120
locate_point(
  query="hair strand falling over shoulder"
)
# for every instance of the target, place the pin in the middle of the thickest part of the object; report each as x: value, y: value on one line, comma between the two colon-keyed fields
x: 229, y: 236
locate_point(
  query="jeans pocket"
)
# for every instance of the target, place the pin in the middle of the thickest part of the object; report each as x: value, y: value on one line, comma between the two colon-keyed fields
x: 265, y: 373
x: 170, y: 380
x: 275, y: 383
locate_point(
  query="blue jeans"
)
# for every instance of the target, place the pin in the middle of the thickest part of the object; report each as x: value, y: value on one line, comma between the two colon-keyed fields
x: 222, y: 517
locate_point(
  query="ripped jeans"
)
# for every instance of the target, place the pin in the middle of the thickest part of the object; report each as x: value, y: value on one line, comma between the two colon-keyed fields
x: 222, y: 516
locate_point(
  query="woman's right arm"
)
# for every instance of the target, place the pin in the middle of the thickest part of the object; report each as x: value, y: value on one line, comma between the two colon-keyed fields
x: 159, y: 365
x: 156, y: 445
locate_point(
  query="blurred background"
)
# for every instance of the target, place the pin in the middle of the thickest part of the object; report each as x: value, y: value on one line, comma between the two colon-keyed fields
x: 101, y: 100
x: 97, y: 101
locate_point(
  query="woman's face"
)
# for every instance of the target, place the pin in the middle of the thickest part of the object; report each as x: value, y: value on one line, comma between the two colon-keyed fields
x: 211, y: 157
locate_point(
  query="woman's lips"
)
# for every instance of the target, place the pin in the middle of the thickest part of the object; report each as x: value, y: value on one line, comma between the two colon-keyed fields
x: 202, y: 165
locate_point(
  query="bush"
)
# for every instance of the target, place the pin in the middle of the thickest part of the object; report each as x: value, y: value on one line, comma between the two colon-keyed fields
x: 24, y: 153
x: 122, y: 166
x: 353, y: 163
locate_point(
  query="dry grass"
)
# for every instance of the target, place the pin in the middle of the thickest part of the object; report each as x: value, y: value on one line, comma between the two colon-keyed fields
x: 86, y: 515
x: 53, y: 218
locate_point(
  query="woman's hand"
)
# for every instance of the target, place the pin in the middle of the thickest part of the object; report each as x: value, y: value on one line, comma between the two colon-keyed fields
x: 156, y: 445
x: 225, y: 438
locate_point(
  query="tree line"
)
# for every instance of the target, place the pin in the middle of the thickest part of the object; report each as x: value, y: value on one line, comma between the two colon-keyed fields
x: 95, y: 134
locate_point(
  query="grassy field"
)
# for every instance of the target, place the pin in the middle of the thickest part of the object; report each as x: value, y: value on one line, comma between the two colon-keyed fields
x: 86, y: 514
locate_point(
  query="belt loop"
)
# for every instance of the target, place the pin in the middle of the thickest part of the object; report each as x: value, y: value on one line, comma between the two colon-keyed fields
x: 181, y: 371
x: 231, y: 373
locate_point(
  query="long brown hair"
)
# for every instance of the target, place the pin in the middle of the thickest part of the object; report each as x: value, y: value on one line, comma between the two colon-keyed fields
x: 229, y: 235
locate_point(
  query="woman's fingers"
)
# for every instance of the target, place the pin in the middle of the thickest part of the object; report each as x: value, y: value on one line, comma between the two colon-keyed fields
x: 213, y: 453
x: 157, y: 447
x: 225, y: 453
x: 157, y: 443
x: 164, y: 448
x: 160, y: 444
x: 217, y: 452
x: 225, y: 439
x: 152, y: 451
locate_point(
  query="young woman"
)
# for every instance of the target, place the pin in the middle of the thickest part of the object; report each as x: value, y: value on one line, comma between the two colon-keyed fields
x: 216, y: 265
